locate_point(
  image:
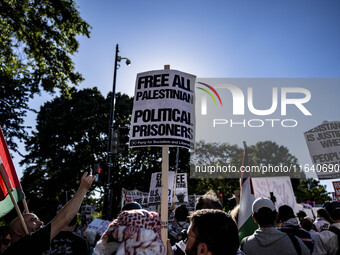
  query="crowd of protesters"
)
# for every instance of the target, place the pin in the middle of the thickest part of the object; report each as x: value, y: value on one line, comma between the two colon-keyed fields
x: 208, y: 230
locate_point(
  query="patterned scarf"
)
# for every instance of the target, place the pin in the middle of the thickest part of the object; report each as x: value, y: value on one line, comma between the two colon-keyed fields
x: 136, y: 231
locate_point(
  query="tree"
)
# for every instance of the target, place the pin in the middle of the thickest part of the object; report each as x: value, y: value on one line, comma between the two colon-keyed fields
x: 311, y: 189
x: 213, y: 154
x: 37, y: 41
x: 268, y: 154
x: 223, y: 154
x: 71, y: 136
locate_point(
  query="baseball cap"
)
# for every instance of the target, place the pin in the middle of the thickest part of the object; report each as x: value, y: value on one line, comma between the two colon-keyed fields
x: 262, y: 202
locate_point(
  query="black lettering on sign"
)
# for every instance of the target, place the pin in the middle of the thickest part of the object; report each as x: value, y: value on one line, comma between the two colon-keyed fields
x: 330, y: 143
x: 327, y: 157
x: 181, y: 83
x: 180, y: 178
x: 158, y: 184
x: 181, y: 185
x: 155, y: 130
x: 163, y: 114
x: 310, y: 137
x: 152, y: 81
x: 328, y: 135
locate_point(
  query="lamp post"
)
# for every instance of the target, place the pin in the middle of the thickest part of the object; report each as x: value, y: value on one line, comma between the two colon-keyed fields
x: 108, y: 193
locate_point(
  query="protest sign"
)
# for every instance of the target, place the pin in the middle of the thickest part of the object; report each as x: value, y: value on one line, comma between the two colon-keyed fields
x: 336, y: 185
x: 181, y: 188
x: 156, y: 185
x: 181, y: 195
x: 280, y: 186
x: 163, y: 110
x: 86, y: 212
x: 323, y: 144
x: 135, y: 196
x: 99, y: 226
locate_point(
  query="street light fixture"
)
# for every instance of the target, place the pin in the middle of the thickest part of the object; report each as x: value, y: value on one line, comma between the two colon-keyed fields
x: 111, y: 135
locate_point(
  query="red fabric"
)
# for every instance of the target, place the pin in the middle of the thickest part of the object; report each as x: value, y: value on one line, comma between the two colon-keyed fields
x: 136, y: 219
x: 10, y: 173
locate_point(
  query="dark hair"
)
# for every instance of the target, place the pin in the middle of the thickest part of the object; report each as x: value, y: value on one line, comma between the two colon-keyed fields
x: 265, y: 216
x: 131, y: 206
x: 306, y: 224
x: 285, y: 213
x: 322, y: 212
x: 301, y: 214
x: 335, y: 215
x: 333, y: 209
x: 217, y: 230
x: 181, y: 213
x: 208, y: 201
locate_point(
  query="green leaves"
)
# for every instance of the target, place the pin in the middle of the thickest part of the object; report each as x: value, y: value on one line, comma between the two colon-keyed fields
x: 37, y: 41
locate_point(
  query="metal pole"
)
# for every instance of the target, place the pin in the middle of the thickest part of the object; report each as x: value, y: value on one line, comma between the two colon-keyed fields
x: 109, y: 146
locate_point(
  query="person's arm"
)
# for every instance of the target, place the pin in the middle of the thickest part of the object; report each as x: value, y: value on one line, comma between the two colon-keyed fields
x: 68, y: 211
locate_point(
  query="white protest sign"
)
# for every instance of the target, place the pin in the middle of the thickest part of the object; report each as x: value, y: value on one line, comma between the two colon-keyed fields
x: 323, y: 144
x: 181, y: 188
x: 98, y: 225
x: 135, y: 196
x: 156, y: 185
x: 163, y: 110
x: 336, y: 185
x: 280, y: 186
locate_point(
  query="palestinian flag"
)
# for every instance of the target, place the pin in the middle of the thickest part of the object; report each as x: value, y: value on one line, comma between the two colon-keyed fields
x: 8, y: 171
x: 246, y: 223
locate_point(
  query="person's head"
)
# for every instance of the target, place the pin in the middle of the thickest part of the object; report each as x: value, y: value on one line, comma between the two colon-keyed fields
x: 208, y: 201
x: 212, y: 232
x: 321, y: 213
x: 16, y: 229
x: 5, y: 239
x: 264, y: 212
x: 301, y: 215
x: 181, y: 213
x: 333, y: 210
x: 307, y: 224
x: 285, y: 213
x: 131, y: 206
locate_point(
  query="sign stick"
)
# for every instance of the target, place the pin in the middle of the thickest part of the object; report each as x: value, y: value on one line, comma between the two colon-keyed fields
x: 9, y: 190
x: 164, y: 197
x: 175, y: 181
x: 25, y: 205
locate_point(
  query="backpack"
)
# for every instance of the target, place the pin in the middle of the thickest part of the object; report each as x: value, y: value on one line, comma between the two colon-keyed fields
x: 295, y: 243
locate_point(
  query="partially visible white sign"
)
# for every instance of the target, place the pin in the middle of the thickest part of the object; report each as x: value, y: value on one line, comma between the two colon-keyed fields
x: 98, y: 225
x: 135, y: 196
x: 323, y: 144
x: 280, y: 186
x: 156, y: 187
